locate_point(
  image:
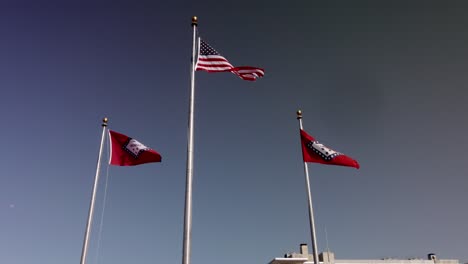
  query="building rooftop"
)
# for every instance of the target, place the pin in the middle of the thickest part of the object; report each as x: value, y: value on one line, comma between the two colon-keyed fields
x: 328, y: 257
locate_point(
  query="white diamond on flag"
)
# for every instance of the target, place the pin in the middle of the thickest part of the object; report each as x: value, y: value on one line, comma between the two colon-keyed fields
x: 135, y: 147
x: 325, y: 152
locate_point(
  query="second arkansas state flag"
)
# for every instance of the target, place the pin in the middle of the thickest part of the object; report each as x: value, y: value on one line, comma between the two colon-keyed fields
x: 126, y: 151
x: 313, y: 151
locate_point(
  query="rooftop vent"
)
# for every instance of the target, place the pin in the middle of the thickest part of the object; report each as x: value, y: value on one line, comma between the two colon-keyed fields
x: 432, y: 256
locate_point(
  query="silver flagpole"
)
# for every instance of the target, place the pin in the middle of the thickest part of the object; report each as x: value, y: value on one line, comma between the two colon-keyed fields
x: 84, y: 251
x: 188, y: 186
x: 309, y: 195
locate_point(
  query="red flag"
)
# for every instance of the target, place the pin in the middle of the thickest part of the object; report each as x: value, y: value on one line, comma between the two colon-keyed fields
x: 126, y: 151
x: 313, y: 151
x: 211, y: 61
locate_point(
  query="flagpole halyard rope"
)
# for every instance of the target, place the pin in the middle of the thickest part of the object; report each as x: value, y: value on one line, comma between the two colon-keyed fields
x: 104, y: 202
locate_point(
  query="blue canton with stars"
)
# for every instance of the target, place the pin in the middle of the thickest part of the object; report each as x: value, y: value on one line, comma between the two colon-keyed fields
x: 206, y: 49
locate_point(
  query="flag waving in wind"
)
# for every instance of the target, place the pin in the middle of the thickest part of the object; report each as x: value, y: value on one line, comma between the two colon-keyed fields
x: 210, y: 60
x: 313, y: 151
x: 126, y: 151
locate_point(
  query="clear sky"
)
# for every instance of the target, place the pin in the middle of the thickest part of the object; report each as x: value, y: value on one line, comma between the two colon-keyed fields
x: 382, y: 81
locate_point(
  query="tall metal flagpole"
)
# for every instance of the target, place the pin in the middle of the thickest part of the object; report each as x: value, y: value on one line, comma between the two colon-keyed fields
x: 309, y: 195
x: 84, y: 251
x: 188, y: 186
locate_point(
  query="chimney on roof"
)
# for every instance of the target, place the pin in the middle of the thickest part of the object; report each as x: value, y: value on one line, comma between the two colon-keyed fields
x: 304, y: 250
x: 327, y: 257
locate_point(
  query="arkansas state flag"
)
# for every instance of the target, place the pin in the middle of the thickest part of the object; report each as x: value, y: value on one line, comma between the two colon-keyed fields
x: 313, y: 151
x: 126, y: 151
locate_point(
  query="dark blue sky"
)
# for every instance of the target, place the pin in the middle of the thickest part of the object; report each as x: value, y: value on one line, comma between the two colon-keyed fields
x: 382, y: 82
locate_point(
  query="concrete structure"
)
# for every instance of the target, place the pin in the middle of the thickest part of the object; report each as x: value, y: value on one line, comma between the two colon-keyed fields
x: 329, y: 258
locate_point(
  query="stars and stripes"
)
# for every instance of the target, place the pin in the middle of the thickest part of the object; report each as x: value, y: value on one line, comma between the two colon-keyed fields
x: 211, y: 61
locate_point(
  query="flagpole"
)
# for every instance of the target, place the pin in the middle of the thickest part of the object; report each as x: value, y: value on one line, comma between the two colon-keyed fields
x: 188, y: 186
x: 309, y: 196
x: 84, y: 251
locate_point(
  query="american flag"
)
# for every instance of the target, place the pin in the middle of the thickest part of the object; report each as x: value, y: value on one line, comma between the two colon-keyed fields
x: 211, y: 61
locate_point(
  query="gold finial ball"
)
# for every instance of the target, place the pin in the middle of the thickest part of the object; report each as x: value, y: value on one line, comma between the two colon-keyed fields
x: 299, y: 114
x: 194, y: 20
x: 105, y: 120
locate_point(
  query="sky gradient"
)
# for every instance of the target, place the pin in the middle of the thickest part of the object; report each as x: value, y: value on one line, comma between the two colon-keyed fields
x: 381, y: 81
